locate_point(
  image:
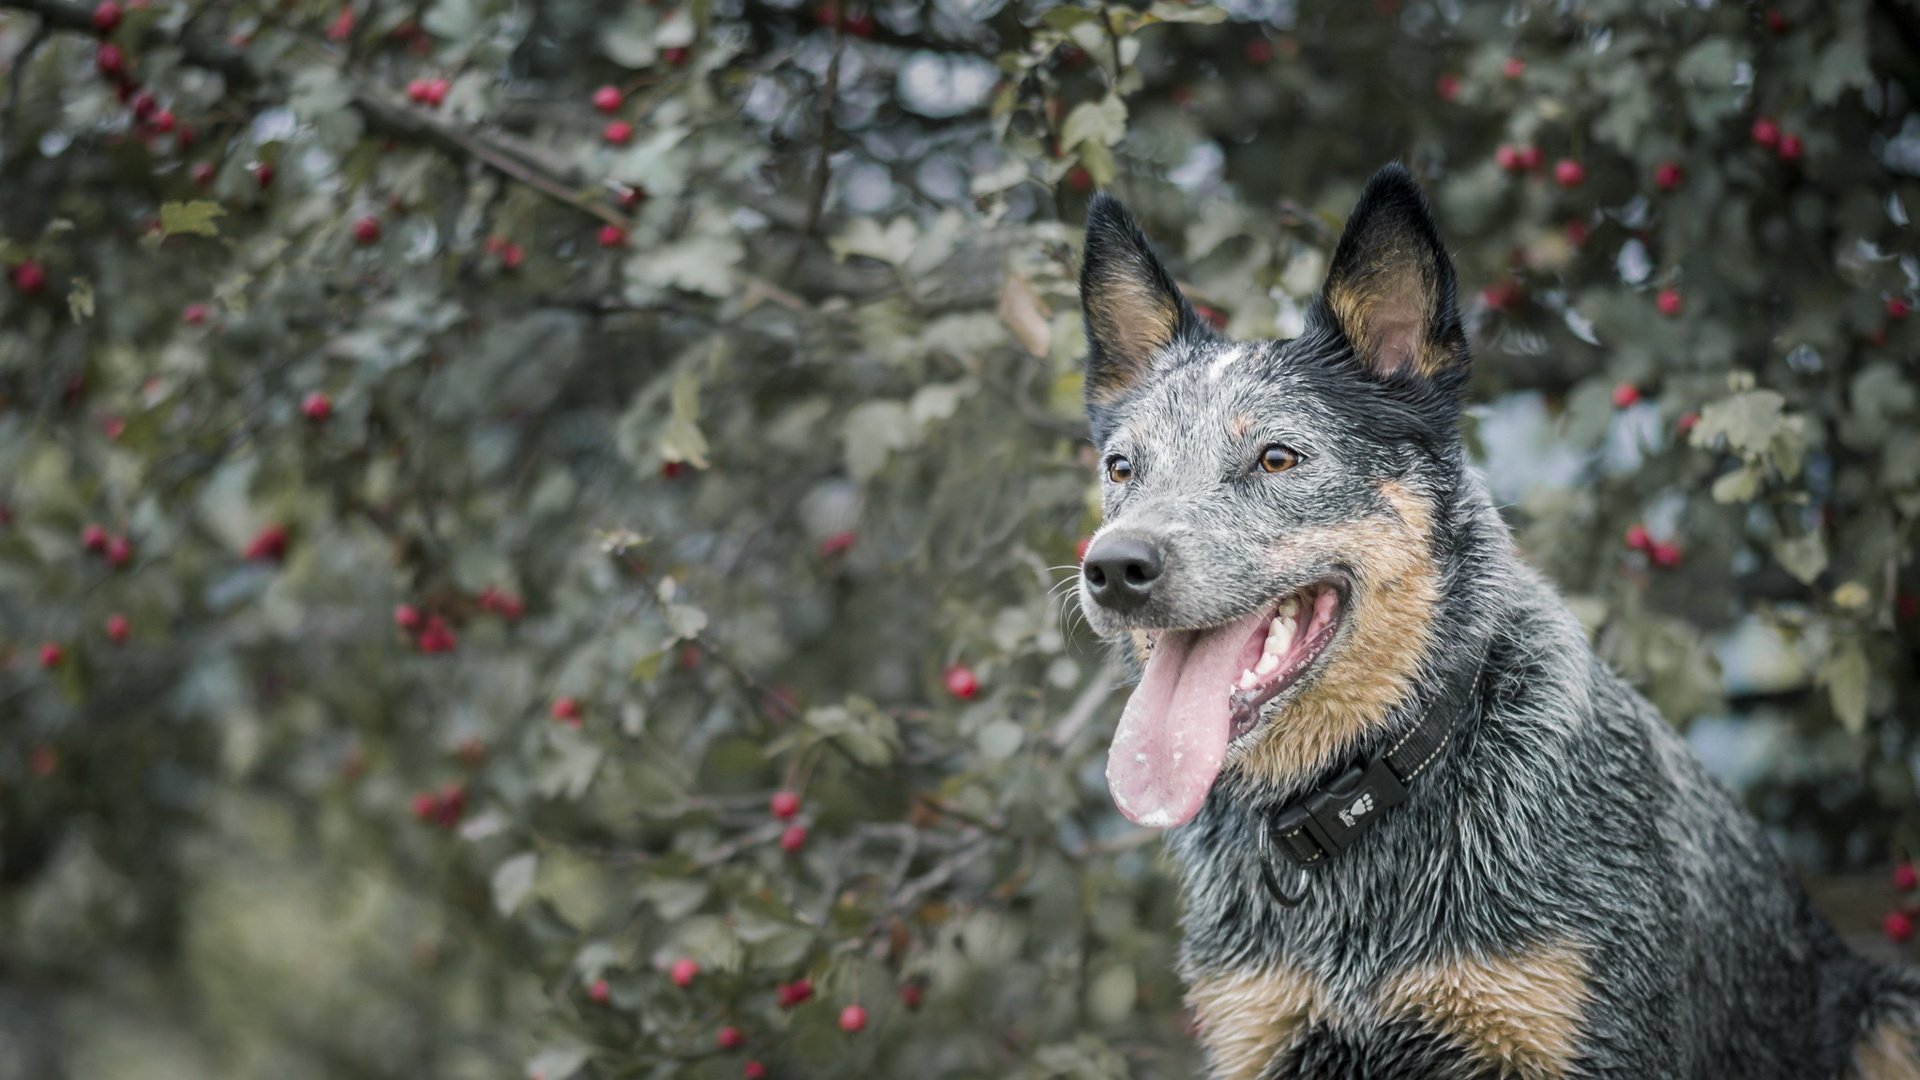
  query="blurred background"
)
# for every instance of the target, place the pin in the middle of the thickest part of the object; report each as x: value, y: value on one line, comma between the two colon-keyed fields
x: 531, y: 535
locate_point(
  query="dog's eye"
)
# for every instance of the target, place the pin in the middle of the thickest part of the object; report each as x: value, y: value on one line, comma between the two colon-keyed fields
x: 1119, y: 469
x: 1277, y: 458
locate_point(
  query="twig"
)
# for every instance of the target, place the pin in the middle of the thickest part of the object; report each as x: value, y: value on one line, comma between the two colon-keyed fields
x: 822, y: 162
x: 1083, y: 707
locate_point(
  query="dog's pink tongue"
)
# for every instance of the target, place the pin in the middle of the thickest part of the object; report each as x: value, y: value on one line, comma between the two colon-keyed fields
x: 1173, y: 733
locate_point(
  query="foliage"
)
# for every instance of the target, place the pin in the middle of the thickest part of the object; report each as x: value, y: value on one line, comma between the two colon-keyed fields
x: 504, y: 496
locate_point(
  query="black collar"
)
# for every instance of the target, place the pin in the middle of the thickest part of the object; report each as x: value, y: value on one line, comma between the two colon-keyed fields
x: 1318, y: 826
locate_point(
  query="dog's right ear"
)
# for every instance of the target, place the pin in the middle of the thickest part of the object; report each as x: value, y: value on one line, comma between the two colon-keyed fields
x: 1132, y: 307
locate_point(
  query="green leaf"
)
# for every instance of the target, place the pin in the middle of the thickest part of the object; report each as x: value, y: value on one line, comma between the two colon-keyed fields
x: 513, y: 882
x: 1805, y: 557
x: 190, y: 218
x: 1103, y: 122
x: 1848, y: 678
x: 683, y: 440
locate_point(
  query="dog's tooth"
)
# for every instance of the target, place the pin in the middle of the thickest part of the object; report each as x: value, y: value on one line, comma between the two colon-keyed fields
x: 1247, y: 679
x: 1289, y: 606
x: 1268, y: 665
x: 1280, y: 640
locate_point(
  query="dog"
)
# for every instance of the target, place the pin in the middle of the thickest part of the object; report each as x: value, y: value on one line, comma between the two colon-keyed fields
x: 1423, y: 831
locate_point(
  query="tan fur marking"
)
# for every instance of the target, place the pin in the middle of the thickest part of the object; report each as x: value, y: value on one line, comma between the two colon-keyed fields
x: 1886, y: 1053
x: 1389, y: 619
x: 1140, y: 650
x: 1522, y: 1013
x: 1133, y: 321
x: 1385, y: 313
x: 1247, y: 1017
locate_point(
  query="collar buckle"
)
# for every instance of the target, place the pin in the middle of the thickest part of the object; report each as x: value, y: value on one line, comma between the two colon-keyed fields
x: 1331, y: 817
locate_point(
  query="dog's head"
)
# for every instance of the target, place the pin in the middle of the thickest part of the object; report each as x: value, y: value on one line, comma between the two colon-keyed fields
x: 1270, y: 505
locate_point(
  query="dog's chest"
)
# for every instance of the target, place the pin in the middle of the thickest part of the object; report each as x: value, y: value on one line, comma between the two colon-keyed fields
x: 1515, y: 1013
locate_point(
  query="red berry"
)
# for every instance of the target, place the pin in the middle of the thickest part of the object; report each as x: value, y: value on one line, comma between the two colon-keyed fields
x: 566, y: 710
x: 436, y: 91
x: 1638, y: 538
x: 600, y: 992
x: 607, y: 99
x: 794, y: 838
x: 118, y: 628
x: 342, y: 26
x: 1625, y: 395
x: 612, y: 236
x: 1448, y: 87
x: 961, y: 682
x: 29, y: 278
x: 366, y: 230
x: 43, y: 760
x: 683, y: 972
x: 1667, y: 175
x: 417, y: 91
x: 119, y: 551
x: 1898, y: 926
x: 512, y: 255
x: 860, y: 26
x: 1577, y: 232
x: 94, y: 539
x: 1514, y: 67
x: 676, y: 55
x: 453, y: 803
x: 106, y: 16
x: 268, y: 545
x: 784, y: 804
x: 164, y: 122
x: 838, y: 543
x: 144, y: 105
x: 1898, y: 308
x: 1079, y: 180
x: 1790, y: 148
x: 1907, y: 605
x: 753, y: 1070
x: 194, y: 314
x: 406, y: 617
x: 911, y: 995
x: 1507, y: 156
x: 202, y: 173
x: 1569, y: 173
x: 51, y: 655
x: 1260, y: 50
x: 631, y: 198
x: 673, y: 470
x: 263, y: 174
x: 1668, y: 301
x: 1502, y: 295
x: 317, y: 407
x: 729, y: 1038
x: 110, y: 61
x: 1686, y: 422
x: 1765, y: 131
x: 617, y: 132
x: 1777, y: 21
x: 426, y: 806
x: 794, y: 993
x: 1213, y: 316
x: 852, y: 1019
x: 1665, y: 556
x: 1905, y: 878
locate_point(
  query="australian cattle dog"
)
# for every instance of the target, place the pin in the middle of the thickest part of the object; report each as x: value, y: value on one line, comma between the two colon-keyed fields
x: 1424, y: 831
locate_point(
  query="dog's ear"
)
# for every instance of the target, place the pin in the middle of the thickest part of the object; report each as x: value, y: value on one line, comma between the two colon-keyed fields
x: 1390, y: 290
x: 1132, y: 307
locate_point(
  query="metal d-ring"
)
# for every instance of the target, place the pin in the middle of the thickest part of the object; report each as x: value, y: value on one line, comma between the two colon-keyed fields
x: 1271, y: 881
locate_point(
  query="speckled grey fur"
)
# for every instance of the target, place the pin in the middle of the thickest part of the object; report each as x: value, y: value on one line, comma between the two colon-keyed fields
x: 1565, y: 810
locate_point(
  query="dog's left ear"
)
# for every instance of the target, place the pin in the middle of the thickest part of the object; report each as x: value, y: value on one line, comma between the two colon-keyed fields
x: 1132, y: 307
x: 1390, y: 290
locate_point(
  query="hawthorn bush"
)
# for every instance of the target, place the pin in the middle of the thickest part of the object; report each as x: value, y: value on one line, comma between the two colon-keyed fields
x: 532, y: 535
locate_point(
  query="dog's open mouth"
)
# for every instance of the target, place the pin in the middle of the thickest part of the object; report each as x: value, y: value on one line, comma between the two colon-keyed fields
x: 1205, y: 688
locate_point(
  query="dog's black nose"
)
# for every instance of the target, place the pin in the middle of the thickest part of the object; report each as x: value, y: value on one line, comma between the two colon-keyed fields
x: 1121, y: 569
